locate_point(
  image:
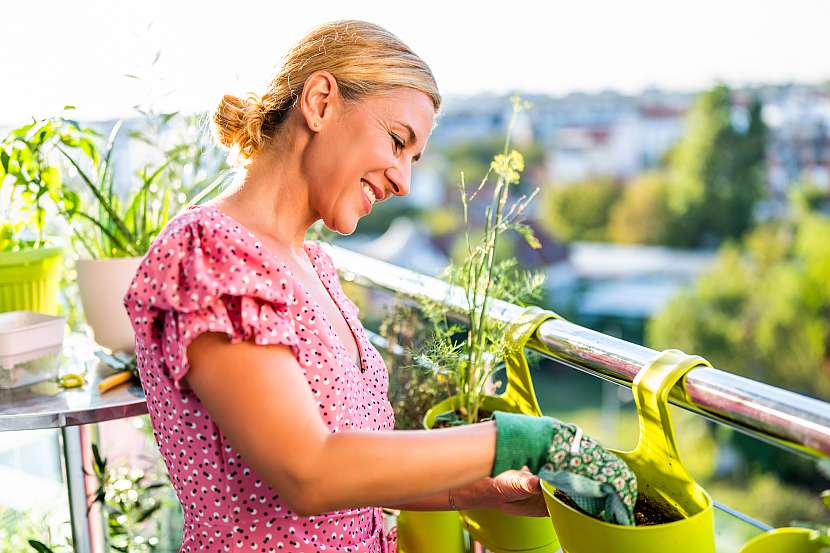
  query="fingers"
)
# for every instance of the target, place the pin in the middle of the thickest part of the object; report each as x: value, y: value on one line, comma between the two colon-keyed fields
x: 513, y: 485
x: 533, y: 506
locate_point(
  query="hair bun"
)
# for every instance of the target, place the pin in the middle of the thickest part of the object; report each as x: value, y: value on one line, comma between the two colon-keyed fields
x: 238, y: 123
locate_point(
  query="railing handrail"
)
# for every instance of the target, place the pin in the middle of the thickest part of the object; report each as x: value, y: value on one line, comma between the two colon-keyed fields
x: 778, y: 416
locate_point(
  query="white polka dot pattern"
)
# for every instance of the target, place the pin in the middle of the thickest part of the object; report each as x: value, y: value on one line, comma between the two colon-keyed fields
x: 206, y: 272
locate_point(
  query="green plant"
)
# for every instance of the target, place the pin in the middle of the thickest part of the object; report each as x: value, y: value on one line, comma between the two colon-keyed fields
x: 107, y: 217
x: 18, y: 530
x: 119, y: 227
x: 131, y: 499
x: 31, y: 176
x: 413, y: 388
x: 466, y: 356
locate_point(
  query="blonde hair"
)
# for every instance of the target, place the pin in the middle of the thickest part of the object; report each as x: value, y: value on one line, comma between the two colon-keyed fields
x: 364, y: 59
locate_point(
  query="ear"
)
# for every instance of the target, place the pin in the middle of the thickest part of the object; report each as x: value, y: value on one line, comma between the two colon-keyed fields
x: 319, y: 100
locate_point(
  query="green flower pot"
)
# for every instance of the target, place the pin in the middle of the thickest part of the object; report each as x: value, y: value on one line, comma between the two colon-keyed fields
x: 660, y: 476
x: 430, y: 531
x: 785, y: 540
x: 497, y: 531
x: 30, y: 280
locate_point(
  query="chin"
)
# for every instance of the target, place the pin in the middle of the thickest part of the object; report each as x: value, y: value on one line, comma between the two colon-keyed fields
x: 344, y: 227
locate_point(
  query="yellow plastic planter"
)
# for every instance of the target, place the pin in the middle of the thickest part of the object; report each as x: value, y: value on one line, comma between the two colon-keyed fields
x: 430, y: 531
x: 497, y: 531
x: 660, y: 475
x: 30, y: 280
x: 785, y: 540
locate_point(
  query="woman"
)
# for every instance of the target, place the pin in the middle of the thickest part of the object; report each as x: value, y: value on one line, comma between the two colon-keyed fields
x: 266, y: 398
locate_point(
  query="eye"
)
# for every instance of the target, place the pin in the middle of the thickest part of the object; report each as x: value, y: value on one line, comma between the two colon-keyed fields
x: 397, y: 141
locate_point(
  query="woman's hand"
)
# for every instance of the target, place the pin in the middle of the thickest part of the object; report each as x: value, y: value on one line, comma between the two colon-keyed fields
x: 515, y: 492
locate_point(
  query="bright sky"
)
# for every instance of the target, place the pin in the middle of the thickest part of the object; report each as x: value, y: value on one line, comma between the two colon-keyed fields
x: 57, y: 52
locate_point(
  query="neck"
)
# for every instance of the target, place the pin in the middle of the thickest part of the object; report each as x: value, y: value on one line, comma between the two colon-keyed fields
x: 271, y: 198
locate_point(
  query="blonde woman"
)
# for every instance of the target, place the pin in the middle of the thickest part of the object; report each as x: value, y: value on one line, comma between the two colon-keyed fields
x: 267, y: 401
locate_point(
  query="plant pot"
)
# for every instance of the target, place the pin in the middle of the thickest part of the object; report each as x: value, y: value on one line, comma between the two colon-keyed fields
x: 30, y: 280
x: 432, y: 531
x: 103, y: 284
x: 497, y: 531
x: 785, y: 540
x: 660, y: 477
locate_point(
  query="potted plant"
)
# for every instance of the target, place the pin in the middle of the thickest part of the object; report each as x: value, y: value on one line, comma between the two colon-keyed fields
x: 113, y: 225
x: 30, y: 186
x: 467, y: 357
x: 673, y: 512
x: 413, y: 390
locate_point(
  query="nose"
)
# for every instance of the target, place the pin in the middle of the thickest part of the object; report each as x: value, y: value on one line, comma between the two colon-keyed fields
x: 399, y: 179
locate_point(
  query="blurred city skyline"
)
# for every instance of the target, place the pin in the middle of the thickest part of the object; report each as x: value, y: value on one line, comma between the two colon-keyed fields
x: 58, y: 53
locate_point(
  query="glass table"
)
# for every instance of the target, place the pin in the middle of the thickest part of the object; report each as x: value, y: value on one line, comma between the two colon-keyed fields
x: 75, y: 412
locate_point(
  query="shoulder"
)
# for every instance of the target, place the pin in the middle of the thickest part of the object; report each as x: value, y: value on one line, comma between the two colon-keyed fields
x: 202, y: 254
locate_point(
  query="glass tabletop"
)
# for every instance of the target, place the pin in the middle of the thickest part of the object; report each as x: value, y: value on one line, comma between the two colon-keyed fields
x: 47, y: 405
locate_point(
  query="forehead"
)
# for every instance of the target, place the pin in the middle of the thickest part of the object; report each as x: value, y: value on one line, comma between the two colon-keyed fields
x: 406, y: 106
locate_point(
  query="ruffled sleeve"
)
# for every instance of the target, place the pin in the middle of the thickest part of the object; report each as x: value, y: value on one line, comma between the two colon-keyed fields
x: 207, y: 276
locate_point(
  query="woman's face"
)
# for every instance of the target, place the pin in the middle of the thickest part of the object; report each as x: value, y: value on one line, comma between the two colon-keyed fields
x: 363, y: 152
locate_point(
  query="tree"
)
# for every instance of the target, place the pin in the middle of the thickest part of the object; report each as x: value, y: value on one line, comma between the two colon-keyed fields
x: 717, y: 169
x: 642, y: 215
x: 763, y: 311
x: 579, y: 210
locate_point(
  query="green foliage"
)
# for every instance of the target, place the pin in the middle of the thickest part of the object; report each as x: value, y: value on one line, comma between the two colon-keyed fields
x: 111, y: 224
x: 21, y: 531
x: 763, y: 311
x: 131, y: 500
x: 579, y: 210
x: 717, y: 171
x: 468, y: 364
x: 642, y: 215
x: 768, y: 499
x: 57, y: 163
x: 413, y: 387
x: 31, y: 175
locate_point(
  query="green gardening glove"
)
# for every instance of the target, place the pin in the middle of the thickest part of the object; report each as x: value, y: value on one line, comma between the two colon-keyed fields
x: 598, y: 481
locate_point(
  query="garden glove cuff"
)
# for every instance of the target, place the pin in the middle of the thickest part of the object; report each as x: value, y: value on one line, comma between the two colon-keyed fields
x: 598, y: 481
x: 521, y: 440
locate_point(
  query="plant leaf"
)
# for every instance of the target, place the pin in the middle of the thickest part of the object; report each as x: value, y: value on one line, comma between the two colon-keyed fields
x: 40, y: 547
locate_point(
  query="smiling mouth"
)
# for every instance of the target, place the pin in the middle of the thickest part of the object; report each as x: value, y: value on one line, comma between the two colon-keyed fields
x: 368, y: 191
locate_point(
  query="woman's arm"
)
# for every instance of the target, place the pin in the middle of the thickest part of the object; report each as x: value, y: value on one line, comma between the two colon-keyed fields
x: 259, y: 398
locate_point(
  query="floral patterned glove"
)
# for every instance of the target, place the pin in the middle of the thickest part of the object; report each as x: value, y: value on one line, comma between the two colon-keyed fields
x: 598, y: 481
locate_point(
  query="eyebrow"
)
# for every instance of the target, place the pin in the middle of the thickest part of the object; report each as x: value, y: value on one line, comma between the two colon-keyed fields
x: 412, y: 138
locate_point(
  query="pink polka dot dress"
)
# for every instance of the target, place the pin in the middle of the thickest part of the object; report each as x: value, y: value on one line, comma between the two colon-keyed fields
x: 206, y: 272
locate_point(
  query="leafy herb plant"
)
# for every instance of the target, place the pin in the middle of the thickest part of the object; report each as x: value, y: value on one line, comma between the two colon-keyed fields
x: 466, y: 356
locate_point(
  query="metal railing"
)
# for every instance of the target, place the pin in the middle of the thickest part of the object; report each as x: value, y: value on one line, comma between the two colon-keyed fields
x: 784, y: 418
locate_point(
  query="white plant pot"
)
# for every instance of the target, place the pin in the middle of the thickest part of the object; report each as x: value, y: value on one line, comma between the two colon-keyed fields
x: 103, y: 284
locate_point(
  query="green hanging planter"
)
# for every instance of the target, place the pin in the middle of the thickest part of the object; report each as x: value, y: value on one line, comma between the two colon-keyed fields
x: 30, y: 279
x: 660, y: 476
x: 786, y: 540
x: 497, y: 531
x: 430, y: 531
